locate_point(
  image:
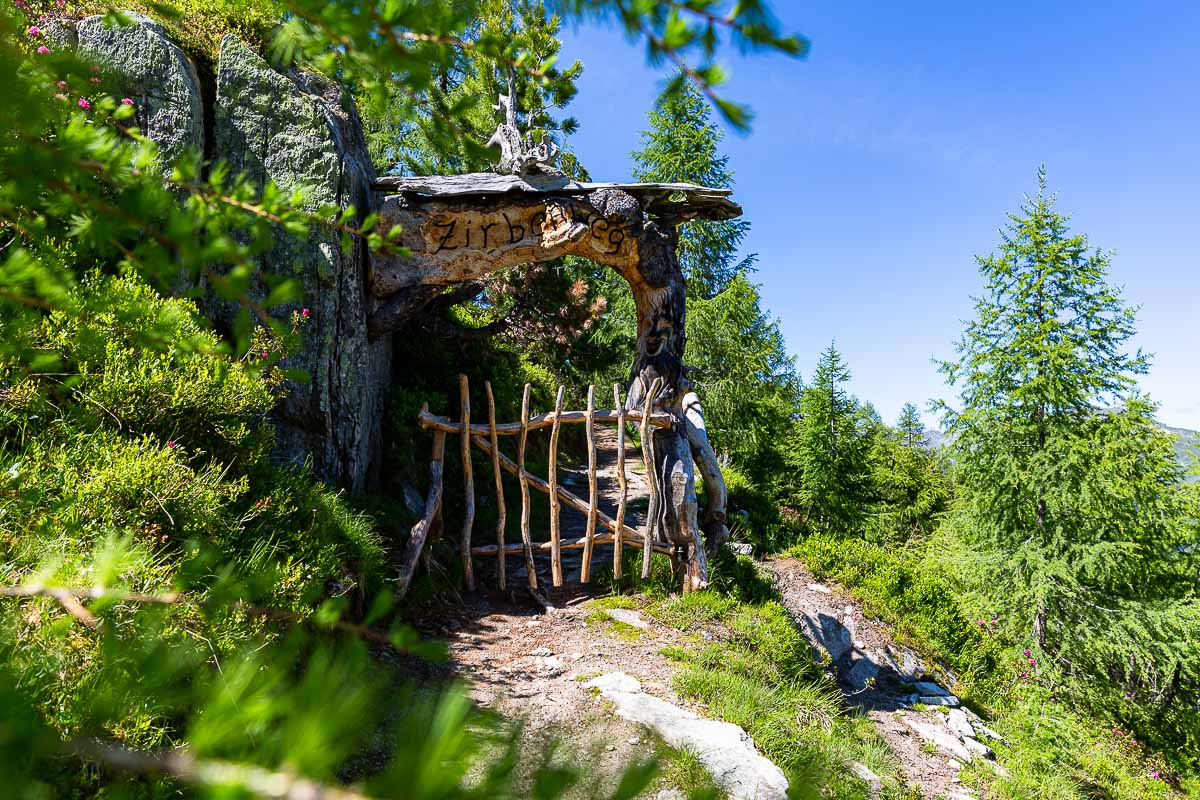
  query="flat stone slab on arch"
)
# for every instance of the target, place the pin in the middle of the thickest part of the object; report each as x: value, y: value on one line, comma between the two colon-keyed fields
x: 680, y: 200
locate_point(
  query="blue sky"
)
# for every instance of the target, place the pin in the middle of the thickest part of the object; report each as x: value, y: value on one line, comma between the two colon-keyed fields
x: 881, y: 164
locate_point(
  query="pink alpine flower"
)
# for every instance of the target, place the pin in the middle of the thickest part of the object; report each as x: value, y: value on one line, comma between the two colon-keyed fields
x: 62, y: 84
x: 1032, y: 661
x: 84, y: 104
x: 127, y: 101
x: 1154, y: 774
x: 1028, y: 652
x: 170, y: 444
x: 21, y: 4
x: 304, y: 312
x: 43, y: 50
x: 95, y: 79
x: 34, y: 30
x: 60, y: 96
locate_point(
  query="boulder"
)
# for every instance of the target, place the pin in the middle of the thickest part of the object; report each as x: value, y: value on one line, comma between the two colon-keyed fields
x: 863, y: 671
x: 139, y: 61
x: 939, y: 737
x: 724, y: 749
x: 930, y: 688
x: 958, y: 722
x: 299, y: 129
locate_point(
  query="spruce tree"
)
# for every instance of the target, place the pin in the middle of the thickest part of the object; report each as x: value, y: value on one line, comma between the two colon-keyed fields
x: 911, y: 428
x: 741, y: 368
x: 681, y: 146
x: 830, y: 449
x: 1070, y: 506
x: 909, y: 489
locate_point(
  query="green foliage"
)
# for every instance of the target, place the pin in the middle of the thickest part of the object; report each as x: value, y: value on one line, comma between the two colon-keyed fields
x: 178, y: 610
x: 910, y: 592
x: 1073, y: 523
x: 681, y: 146
x: 197, y: 26
x: 910, y: 491
x: 742, y: 371
x: 830, y: 450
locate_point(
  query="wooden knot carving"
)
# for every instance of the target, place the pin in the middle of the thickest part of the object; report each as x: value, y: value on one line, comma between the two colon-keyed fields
x: 518, y: 154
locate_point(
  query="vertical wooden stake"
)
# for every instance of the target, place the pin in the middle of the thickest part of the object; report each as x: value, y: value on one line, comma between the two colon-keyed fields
x: 501, y: 511
x: 433, y: 506
x: 468, y: 481
x: 523, y: 477
x: 555, y: 550
x: 619, y: 533
x: 585, y: 570
x: 651, y: 477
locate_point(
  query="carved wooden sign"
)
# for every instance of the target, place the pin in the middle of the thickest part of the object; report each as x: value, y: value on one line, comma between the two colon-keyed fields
x: 553, y: 225
x: 454, y: 242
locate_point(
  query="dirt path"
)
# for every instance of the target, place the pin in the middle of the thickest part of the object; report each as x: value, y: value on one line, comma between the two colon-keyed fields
x: 908, y: 701
x: 528, y: 658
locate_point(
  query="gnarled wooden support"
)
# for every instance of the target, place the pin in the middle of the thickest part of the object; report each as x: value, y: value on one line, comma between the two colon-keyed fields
x: 461, y: 228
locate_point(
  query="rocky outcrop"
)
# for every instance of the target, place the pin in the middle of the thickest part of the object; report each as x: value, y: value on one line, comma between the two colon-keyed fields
x: 295, y: 129
x: 152, y: 71
x: 299, y: 130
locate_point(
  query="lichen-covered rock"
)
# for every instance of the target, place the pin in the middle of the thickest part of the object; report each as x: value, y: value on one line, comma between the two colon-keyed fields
x: 299, y: 130
x: 152, y: 71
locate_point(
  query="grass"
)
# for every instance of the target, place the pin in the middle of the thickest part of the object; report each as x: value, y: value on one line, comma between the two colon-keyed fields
x: 1052, y: 750
x: 744, y: 661
x: 682, y: 770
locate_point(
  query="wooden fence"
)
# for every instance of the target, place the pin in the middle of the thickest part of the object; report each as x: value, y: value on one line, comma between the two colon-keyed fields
x: 487, y: 438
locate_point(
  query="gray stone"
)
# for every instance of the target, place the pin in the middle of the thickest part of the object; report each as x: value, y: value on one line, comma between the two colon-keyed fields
x: 627, y: 616
x: 958, y: 722
x: 724, y: 749
x: 864, y: 773
x: 930, y: 688
x: 835, y: 637
x: 978, y: 749
x: 862, y: 672
x: 299, y: 130
x: 940, y: 737
x: 910, y: 667
x: 988, y: 732
x: 939, y: 700
x: 816, y: 587
x: 740, y: 548
x: 143, y: 64
x: 615, y: 682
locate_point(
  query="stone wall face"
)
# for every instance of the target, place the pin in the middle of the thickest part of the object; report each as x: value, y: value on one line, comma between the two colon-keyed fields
x: 295, y: 130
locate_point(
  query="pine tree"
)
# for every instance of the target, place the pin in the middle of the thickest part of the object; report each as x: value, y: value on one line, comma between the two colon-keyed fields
x: 681, y: 146
x: 1070, y: 510
x: 743, y: 371
x: 830, y: 449
x: 909, y: 489
x: 910, y: 426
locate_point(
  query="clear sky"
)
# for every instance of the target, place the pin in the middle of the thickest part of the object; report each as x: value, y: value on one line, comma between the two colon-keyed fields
x: 881, y: 164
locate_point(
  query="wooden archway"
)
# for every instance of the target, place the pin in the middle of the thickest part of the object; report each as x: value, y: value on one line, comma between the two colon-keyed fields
x: 463, y: 227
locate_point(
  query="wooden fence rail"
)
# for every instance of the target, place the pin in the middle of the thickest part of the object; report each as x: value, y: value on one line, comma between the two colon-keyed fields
x: 486, y: 438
